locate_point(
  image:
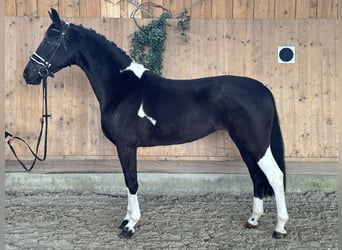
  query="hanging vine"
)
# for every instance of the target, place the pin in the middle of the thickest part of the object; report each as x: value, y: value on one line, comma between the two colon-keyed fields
x: 184, y: 26
x: 148, y: 44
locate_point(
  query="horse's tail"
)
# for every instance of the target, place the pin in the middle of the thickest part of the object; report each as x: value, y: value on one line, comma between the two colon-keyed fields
x: 277, y: 144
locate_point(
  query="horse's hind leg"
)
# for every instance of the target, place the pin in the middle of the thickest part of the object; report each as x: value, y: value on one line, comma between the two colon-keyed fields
x: 261, y: 186
x: 275, y: 177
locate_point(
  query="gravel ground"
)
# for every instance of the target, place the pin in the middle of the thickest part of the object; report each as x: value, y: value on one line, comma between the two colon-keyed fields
x: 213, y: 221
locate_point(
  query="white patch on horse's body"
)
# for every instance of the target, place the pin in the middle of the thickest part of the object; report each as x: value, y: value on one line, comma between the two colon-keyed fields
x: 276, y: 179
x: 142, y: 114
x: 136, y: 68
x: 258, y: 211
x: 133, y: 211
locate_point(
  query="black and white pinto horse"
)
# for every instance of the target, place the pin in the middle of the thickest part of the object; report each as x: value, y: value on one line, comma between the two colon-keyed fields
x: 139, y: 108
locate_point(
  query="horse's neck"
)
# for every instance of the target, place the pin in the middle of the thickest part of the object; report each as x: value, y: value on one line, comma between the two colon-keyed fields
x: 102, y: 63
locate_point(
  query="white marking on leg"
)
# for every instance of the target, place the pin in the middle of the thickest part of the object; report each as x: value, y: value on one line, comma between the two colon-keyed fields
x: 142, y: 114
x: 276, y: 179
x: 136, y: 68
x: 133, y: 211
x: 258, y: 211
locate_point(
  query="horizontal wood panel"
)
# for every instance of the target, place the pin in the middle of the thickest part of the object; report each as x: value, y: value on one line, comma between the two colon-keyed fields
x: 207, y: 9
x: 305, y: 92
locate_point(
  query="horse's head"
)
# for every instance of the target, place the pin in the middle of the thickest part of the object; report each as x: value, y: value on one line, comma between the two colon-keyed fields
x: 52, y: 53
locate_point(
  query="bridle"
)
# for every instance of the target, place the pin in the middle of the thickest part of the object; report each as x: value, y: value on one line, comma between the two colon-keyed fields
x: 44, y: 71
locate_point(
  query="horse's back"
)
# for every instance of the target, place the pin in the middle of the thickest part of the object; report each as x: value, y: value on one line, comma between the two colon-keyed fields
x: 229, y: 84
x: 219, y: 99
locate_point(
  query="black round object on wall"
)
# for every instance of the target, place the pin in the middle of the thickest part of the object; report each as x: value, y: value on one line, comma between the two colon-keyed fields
x: 286, y: 54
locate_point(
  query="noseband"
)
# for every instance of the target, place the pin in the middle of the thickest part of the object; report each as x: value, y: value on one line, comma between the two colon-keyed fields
x: 45, y: 71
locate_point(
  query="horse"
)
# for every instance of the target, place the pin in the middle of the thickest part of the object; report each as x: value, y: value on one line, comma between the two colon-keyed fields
x: 141, y: 109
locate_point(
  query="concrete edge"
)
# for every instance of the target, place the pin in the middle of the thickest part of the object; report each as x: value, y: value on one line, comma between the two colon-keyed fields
x: 155, y: 183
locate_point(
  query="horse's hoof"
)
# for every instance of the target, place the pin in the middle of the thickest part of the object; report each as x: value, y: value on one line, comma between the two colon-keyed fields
x: 251, y: 226
x: 123, y: 224
x: 126, y: 234
x: 278, y: 235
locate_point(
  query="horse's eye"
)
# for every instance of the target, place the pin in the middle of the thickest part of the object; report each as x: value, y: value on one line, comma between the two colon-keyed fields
x: 48, y: 43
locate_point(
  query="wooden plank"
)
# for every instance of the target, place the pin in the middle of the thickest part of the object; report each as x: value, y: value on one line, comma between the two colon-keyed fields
x: 11, y: 9
x: 264, y: 9
x: 197, y: 12
x: 306, y: 9
x: 229, y: 8
x: 329, y: 88
x: 285, y: 8
x: 254, y: 49
x: 111, y: 8
x: 218, y: 9
x: 243, y: 8
x: 79, y: 103
x: 45, y: 6
x: 210, y: 48
x: 69, y: 8
x: 26, y: 7
x: 221, y: 29
x: 268, y: 49
x: 208, y: 9
x: 327, y: 8
x: 236, y: 48
x: 314, y: 90
x: 20, y: 7
x: 124, y: 9
x: 90, y: 8
x: 10, y: 94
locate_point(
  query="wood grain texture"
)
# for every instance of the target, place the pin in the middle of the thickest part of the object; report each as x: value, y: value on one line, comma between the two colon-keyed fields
x: 207, y: 9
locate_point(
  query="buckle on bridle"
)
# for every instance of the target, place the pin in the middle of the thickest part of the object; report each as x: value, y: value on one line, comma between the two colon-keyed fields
x: 45, y: 65
x: 44, y: 72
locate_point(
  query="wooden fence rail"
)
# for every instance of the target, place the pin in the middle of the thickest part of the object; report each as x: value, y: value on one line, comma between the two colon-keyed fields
x: 305, y: 92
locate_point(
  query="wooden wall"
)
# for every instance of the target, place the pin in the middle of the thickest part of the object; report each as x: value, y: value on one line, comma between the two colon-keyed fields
x: 208, y: 9
x: 305, y: 92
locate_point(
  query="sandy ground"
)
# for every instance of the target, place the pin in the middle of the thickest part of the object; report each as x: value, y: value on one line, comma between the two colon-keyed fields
x: 213, y: 221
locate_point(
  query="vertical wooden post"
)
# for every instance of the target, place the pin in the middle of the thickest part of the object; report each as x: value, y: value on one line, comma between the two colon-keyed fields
x: 2, y: 124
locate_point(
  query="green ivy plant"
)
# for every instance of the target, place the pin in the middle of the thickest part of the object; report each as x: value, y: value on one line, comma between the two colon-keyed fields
x: 184, y: 25
x: 148, y: 44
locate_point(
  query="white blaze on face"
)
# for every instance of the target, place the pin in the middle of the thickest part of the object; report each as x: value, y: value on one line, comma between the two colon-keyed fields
x: 142, y: 114
x: 136, y: 68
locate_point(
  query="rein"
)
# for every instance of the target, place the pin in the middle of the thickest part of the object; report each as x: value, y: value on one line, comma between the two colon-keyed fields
x: 44, y: 71
x: 44, y: 119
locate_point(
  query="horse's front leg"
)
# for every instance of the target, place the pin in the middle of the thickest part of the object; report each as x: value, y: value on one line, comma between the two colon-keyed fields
x: 128, y: 160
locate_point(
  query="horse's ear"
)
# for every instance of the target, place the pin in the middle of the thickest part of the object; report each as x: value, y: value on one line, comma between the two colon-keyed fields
x: 55, y: 18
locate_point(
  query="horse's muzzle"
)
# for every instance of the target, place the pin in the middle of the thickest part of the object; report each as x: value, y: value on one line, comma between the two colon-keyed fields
x: 31, y: 75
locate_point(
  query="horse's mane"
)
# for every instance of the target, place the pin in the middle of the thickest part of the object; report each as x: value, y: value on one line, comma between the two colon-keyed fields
x: 110, y: 45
